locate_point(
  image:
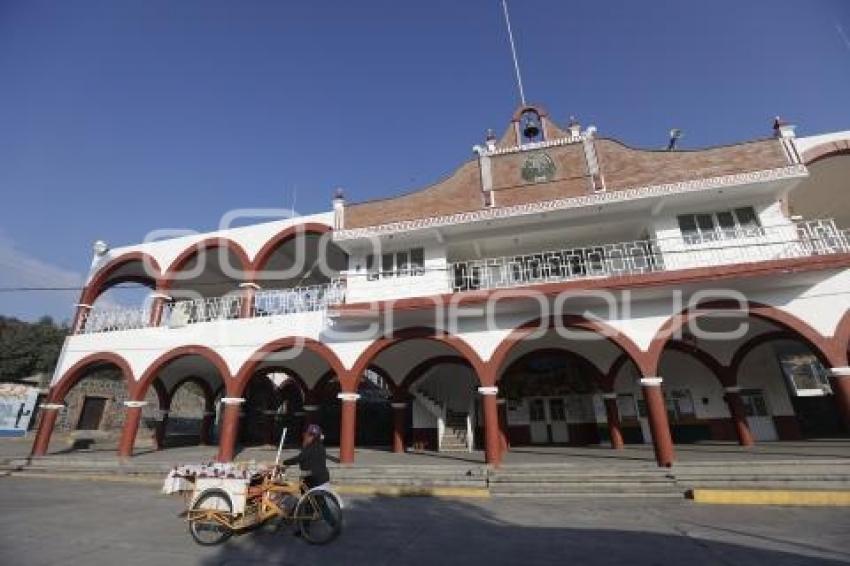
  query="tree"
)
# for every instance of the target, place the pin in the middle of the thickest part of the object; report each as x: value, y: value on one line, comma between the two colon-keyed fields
x: 29, y: 348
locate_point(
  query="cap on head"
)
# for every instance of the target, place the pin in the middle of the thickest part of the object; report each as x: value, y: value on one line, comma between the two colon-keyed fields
x: 314, y: 430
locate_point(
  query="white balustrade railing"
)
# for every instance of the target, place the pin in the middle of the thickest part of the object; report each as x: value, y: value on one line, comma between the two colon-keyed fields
x: 109, y: 320
x: 182, y: 312
x: 794, y: 240
x: 298, y: 299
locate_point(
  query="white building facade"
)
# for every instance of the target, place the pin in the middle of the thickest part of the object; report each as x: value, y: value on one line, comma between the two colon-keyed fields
x: 558, y: 288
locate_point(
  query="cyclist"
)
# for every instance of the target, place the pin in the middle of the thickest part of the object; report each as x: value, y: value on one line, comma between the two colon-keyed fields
x: 311, y: 459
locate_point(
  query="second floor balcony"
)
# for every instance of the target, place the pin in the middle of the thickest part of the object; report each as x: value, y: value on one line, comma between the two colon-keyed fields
x: 595, y: 261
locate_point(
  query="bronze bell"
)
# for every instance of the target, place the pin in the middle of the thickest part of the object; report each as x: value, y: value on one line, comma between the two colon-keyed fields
x: 532, y: 128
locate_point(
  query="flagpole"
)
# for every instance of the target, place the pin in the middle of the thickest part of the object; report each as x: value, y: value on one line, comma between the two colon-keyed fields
x: 513, y: 52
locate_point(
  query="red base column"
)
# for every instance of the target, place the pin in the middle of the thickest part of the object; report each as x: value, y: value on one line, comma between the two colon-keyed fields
x: 131, y: 427
x: 347, y: 426
x: 229, y: 430
x: 613, y: 414
x: 249, y: 290
x: 659, y: 426
x: 504, y: 442
x: 490, y: 409
x: 399, y: 425
x: 839, y: 378
x: 49, y: 414
x: 738, y: 415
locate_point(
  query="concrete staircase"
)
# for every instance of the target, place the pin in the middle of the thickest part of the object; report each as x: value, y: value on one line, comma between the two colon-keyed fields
x: 575, y: 480
x: 455, y: 433
x: 821, y: 473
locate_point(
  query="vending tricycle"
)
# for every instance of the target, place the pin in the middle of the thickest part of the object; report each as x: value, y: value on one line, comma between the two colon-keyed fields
x: 227, y: 498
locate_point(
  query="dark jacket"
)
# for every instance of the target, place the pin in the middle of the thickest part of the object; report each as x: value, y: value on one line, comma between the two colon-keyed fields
x: 311, y: 459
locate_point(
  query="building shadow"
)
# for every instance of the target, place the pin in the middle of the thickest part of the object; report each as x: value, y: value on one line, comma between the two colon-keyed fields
x: 420, y: 531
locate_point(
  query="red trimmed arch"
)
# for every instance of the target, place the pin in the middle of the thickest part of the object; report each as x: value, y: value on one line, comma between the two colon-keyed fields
x: 423, y: 367
x: 206, y: 388
x: 101, y: 281
x: 348, y: 380
x: 597, y: 378
x: 720, y: 371
x: 76, y: 372
x: 216, y: 242
x: 297, y: 381
x: 744, y: 349
x: 152, y: 373
x: 825, y: 150
x: 841, y: 338
x: 784, y: 320
x: 288, y: 233
x: 623, y: 342
x: 248, y: 369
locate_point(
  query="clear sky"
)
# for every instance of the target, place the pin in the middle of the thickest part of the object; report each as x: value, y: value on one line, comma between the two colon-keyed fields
x: 117, y: 118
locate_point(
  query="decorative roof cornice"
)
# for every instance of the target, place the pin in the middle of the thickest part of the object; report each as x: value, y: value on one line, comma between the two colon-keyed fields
x: 484, y: 152
x: 594, y: 199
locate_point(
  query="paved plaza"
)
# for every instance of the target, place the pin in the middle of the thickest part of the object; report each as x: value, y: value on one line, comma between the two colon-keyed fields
x: 85, y: 522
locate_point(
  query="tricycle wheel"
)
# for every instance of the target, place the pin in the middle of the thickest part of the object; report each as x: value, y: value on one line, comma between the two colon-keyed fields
x: 209, y: 531
x: 319, y: 517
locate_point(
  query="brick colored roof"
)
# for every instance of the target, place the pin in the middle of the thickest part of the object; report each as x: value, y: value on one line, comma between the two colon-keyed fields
x: 621, y: 167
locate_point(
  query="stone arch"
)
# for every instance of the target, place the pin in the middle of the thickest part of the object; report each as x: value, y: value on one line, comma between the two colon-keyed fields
x: 623, y: 342
x: 152, y: 372
x: 841, y: 339
x: 825, y: 150
x: 101, y: 281
x: 75, y: 373
x: 246, y: 372
x: 349, y: 381
x: 422, y: 368
x: 778, y: 317
x: 288, y: 233
x: 219, y: 243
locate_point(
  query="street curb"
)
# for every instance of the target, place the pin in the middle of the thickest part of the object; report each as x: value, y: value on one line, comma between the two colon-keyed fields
x: 346, y: 489
x: 833, y: 498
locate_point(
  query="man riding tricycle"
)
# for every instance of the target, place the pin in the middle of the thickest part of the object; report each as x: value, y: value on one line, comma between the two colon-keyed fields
x: 227, y: 498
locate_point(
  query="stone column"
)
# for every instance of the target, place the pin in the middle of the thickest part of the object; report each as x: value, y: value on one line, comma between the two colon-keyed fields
x: 490, y: 410
x: 399, y: 425
x: 839, y: 378
x: 49, y: 413
x: 131, y: 427
x: 659, y: 426
x: 157, y: 308
x: 229, y: 429
x: 738, y: 415
x: 347, y: 426
x: 249, y: 290
x: 613, y: 415
x: 504, y: 442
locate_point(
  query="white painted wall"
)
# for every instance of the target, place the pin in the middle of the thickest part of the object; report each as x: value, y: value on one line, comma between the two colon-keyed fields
x: 434, y: 280
x: 778, y: 240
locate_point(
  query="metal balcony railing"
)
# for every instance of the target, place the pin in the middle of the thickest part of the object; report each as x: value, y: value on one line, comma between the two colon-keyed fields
x: 793, y: 240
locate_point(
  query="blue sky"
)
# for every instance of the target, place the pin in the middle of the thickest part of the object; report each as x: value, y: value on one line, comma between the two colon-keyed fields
x: 117, y: 118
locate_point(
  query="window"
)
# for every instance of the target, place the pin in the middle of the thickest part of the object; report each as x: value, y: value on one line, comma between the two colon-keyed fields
x: 396, y: 264
x: 724, y: 225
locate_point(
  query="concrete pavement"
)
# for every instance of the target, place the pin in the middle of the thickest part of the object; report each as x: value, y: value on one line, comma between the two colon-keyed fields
x: 84, y: 522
